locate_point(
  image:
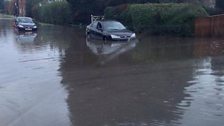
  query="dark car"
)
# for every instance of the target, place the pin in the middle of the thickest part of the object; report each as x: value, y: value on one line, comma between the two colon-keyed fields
x: 109, y: 30
x: 25, y: 24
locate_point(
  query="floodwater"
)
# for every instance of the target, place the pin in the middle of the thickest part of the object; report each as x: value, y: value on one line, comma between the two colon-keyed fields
x: 56, y: 77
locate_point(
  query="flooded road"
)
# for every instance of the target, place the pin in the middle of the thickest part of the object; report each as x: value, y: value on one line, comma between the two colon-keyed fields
x: 56, y: 77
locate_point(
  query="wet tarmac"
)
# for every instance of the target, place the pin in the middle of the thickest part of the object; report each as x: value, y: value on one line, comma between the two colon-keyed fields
x: 57, y: 77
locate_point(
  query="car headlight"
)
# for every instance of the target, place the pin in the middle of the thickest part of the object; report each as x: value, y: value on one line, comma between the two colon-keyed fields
x: 133, y: 35
x: 20, y: 26
x: 34, y: 26
x: 115, y: 37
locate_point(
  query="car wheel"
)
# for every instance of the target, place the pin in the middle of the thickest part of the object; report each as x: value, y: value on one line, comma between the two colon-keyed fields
x: 104, y: 38
x: 19, y: 29
x: 88, y: 36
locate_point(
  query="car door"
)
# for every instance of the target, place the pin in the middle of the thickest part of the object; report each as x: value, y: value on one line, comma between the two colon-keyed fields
x: 16, y: 22
x: 93, y: 29
x: 99, y: 30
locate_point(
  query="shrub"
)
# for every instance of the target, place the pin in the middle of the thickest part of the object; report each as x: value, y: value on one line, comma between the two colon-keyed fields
x: 54, y: 13
x: 167, y: 18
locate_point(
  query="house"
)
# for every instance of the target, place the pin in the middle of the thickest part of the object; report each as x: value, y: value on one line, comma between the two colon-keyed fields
x: 19, y: 7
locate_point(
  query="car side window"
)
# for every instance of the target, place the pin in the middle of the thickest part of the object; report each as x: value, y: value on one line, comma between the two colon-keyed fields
x: 16, y: 21
x: 99, y: 26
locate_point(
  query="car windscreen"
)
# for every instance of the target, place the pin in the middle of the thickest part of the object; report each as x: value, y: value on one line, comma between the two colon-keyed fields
x: 25, y: 20
x: 112, y: 25
x: 94, y: 24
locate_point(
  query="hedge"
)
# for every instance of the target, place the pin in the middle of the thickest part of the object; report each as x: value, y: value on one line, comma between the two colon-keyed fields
x: 163, y: 18
x: 54, y: 13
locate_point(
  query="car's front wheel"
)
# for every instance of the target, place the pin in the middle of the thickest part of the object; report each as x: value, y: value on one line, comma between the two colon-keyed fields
x: 20, y: 29
x: 104, y: 38
x: 88, y: 36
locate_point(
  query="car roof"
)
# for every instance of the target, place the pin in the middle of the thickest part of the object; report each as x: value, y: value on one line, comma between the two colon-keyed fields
x: 102, y: 21
x: 108, y: 21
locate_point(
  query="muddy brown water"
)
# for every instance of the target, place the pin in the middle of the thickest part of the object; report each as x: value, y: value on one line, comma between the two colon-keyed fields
x: 56, y: 77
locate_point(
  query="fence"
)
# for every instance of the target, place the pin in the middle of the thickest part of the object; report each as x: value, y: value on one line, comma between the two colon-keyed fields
x: 210, y: 26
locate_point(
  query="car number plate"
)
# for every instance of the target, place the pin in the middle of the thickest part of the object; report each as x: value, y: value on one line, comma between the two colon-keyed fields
x: 28, y: 29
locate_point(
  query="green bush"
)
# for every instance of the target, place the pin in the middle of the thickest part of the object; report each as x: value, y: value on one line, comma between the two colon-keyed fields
x: 167, y: 18
x: 54, y: 13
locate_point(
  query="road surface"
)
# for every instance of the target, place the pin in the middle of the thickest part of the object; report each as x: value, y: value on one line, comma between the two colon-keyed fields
x: 56, y: 77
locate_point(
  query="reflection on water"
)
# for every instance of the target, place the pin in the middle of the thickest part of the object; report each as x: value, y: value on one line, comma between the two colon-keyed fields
x: 108, y: 50
x: 30, y: 89
x: 207, y: 92
x: 56, y: 77
x: 26, y: 37
x: 129, y: 90
x: 148, y: 85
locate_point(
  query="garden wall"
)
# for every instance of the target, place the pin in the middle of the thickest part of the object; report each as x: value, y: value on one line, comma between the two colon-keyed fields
x: 212, y: 26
